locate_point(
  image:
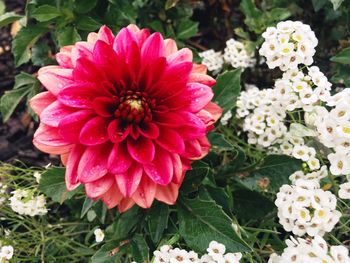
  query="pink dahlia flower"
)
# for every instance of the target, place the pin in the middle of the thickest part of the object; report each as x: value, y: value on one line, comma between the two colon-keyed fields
x: 127, y: 113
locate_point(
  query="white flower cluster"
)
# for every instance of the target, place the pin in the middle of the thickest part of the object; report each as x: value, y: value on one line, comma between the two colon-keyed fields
x: 314, y: 250
x: 216, y: 254
x: 288, y: 44
x: 314, y: 175
x: 3, y: 189
x: 212, y: 60
x: 263, y: 116
x: 306, y: 208
x: 24, y: 202
x: 344, y: 191
x: 6, y: 253
x: 237, y: 55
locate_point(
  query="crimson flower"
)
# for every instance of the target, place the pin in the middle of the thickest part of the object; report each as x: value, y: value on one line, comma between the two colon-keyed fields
x: 127, y: 113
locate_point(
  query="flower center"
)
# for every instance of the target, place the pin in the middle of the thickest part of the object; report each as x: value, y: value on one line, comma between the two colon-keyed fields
x: 134, y: 107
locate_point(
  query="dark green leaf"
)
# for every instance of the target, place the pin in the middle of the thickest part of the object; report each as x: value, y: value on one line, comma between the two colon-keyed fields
x: 10, y: 100
x: 67, y: 36
x: 170, y: 4
x: 9, y: 18
x: 186, y: 29
x: 157, y: 221
x: 227, y: 89
x: 249, y: 204
x: 202, y: 220
x: 23, y: 42
x: 342, y: 57
x: 88, y: 203
x: 218, y: 141
x: 87, y: 23
x: 108, y: 253
x: 318, y: 4
x: 41, y: 55
x: 336, y: 3
x: 45, y: 13
x: 139, y: 249
x: 24, y: 79
x: 82, y: 7
x: 273, y: 173
x: 195, y: 176
x: 53, y: 185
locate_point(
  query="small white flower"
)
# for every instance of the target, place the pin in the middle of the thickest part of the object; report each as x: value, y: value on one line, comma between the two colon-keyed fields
x: 344, y: 191
x: 6, y: 252
x: 216, y: 250
x: 99, y: 235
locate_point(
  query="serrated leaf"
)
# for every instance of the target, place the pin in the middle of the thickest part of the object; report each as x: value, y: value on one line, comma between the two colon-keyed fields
x: 10, y: 100
x: 195, y: 176
x: 202, y: 220
x: 218, y: 141
x: 67, y: 36
x: 186, y: 29
x: 23, y: 42
x: 53, y: 185
x: 157, y: 220
x: 45, y: 13
x: 273, y: 173
x: 342, y: 57
x: 9, y: 18
x: 139, y: 249
x: 24, y: 79
x: 227, y: 89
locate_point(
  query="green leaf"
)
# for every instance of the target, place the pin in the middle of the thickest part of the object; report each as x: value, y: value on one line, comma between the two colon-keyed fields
x: 10, y: 100
x: 23, y: 42
x: 41, y: 55
x: 202, y: 220
x: 318, y: 4
x: 2, y: 7
x: 218, y: 141
x: 109, y: 253
x: 24, y: 79
x: 170, y: 4
x: 195, y: 176
x: 157, y: 220
x: 88, y: 203
x: 186, y: 29
x: 274, y: 172
x: 139, y: 249
x: 342, y: 57
x: 82, y: 7
x: 45, y: 13
x: 248, y: 205
x: 53, y: 185
x: 227, y: 89
x: 336, y: 3
x: 67, y: 36
x: 9, y: 18
x: 87, y: 23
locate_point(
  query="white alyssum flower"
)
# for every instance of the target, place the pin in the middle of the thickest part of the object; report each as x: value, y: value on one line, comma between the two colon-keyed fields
x: 288, y: 44
x: 309, y: 250
x: 304, y: 208
x: 24, y: 202
x: 314, y: 175
x: 344, y: 191
x: 216, y: 254
x: 3, y: 190
x: 226, y: 117
x: 212, y: 60
x: 237, y: 55
x: 99, y: 235
x: 6, y: 253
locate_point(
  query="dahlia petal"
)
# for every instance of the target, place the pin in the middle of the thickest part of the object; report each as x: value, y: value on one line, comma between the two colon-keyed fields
x: 117, y: 132
x: 199, y: 68
x: 88, y: 71
x: 70, y: 126
x: 40, y: 101
x: 64, y: 58
x: 193, y: 127
x: 104, y: 106
x: 93, y: 163
x: 198, y: 95
x: 81, y: 50
x: 54, y: 113
x: 193, y: 150
x: 167, y: 194
x: 64, y: 158
x: 100, y: 186
x: 141, y: 150
x: 112, y: 197
x: 125, y: 204
x: 176, y: 72
x: 170, y: 140
x: 179, y: 169
x: 141, y: 35
x: 105, y: 34
x: 202, y: 78
x: 94, y: 131
x: 145, y: 193
x: 169, y: 119
x: 153, y: 48
x: 92, y: 38
x: 80, y: 95
x: 55, y: 78
x: 170, y: 46
x: 214, y: 110
x: 182, y: 55
x: 119, y: 160
x: 161, y: 169
x: 48, y: 140
x: 123, y: 41
x: 149, y: 130
x: 130, y: 180
x: 71, y: 176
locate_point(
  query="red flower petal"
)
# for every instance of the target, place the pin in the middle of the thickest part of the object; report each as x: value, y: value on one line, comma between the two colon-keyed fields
x: 125, y: 204
x: 100, y: 186
x: 55, y: 78
x: 167, y: 194
x: 153, y: 48
x: 40, y: 101
x: 161, y: 169
x: 149, y: 130
x: 112, y: 197
x: 104, y: 106
x: 119, y: 159
x: 142, y: 149
x: 71, y: 177
x: 54, y: 113
x: 130, y: 180
x: 170, y: 140
x: 117, y: 132
x: 94, y: 132
x: 145, y: 193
